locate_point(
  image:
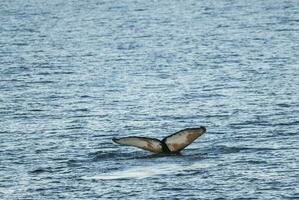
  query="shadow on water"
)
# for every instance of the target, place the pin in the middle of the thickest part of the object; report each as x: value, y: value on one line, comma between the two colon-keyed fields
x: 150, y: 156
x: 120, y: 155
x: 114, y: 155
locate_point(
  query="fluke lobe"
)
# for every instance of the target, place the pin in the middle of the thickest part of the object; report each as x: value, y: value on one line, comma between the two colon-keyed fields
x: 171, y: 144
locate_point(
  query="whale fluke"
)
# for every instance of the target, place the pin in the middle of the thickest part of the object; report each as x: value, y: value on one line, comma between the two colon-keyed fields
x: 179, y: 140
x: 171, y: 144
x: 149, y: 144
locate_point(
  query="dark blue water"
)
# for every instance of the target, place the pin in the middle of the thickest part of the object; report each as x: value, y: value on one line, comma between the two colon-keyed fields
x: 74, y: 74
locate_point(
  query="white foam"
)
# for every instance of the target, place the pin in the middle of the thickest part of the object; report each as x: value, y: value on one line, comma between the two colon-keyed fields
x: 144, y: 172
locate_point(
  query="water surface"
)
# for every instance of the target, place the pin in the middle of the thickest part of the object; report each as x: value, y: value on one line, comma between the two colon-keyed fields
x: 74, y: 74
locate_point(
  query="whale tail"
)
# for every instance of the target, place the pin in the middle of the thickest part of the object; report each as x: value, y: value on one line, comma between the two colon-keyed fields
x: 149, y: 144
x: 181, y: 139
x: 171, y: 144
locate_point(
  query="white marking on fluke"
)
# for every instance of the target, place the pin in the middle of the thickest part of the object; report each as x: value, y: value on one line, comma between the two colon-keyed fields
x: 171, y: 144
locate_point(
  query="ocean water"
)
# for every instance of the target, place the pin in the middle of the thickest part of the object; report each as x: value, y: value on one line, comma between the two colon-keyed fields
x: 74, y: 74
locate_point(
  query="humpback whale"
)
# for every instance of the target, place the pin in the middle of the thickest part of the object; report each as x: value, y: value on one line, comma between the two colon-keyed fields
x: 171, y: 144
